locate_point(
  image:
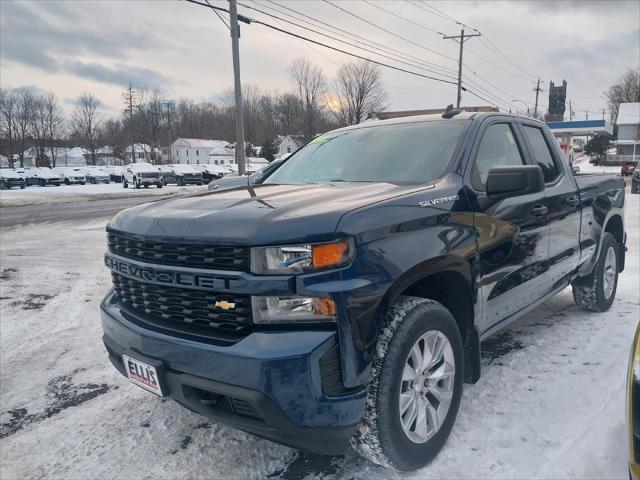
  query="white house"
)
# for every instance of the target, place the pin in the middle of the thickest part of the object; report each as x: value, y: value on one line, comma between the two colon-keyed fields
x: 288, y: 143
x: 141, y: 153
x: 628, y: 142
x: 196, y: 150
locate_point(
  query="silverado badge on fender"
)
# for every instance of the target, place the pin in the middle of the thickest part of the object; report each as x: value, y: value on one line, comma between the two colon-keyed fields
x: 438, y: 201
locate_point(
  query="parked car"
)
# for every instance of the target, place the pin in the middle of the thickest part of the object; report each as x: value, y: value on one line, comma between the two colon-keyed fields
x: 29, y: 175
x: 633, y: 407
x: 97, y: 175
x: 45, y: 176
x: 186, y: 174
x: 168, y: 175
x: 635, y: 179
x: 343, y: 300
x: 70, y: 175
x: 141, y: 175
x: 211, y: 171
x: 10, y: 178
x: 115, y: 173
x: 627, y: 168
x: 233, y: 180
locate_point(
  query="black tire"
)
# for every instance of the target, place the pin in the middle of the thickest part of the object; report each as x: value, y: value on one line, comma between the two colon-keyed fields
x: 22, y: 187
x: 159, y: 185
x: 380, y: 438
x: 124, y: 183
x: 136, y: 183
x: 179, y: 182
x: 42, y: 183
x: 82, y: 183
x: 66, y: 181
x: 589, y: 292
x: 146, y: 185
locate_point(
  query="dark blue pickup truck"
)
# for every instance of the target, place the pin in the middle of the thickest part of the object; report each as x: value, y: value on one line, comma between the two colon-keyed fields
x: 342, y: 299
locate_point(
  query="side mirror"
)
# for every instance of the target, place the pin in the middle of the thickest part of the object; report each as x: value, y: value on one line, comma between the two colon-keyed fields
x: 504, y: 182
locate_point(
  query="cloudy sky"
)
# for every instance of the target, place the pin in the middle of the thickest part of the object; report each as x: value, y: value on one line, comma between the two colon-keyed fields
x: 70, y: 47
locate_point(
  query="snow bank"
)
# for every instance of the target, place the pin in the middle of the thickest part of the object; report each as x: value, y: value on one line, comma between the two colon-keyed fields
x: 71, y: 193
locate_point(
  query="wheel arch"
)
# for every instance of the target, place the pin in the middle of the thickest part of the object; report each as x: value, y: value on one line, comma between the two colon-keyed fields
x: 449, y: 281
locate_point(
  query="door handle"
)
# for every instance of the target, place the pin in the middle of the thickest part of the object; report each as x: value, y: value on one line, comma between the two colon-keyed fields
x: 573, y: 201
x: 539, y: 210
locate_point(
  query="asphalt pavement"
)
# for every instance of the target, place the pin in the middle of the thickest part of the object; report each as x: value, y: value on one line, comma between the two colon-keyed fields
x: 69, y: 211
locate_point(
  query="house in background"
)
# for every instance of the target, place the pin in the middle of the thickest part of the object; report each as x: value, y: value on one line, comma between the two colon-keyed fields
x: 197, y: 150
x: 628, y: 142
x: 141, y: 152
x: 288, y: 144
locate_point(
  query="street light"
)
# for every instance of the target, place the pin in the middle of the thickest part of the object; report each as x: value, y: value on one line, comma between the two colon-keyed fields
x: 526, y: 106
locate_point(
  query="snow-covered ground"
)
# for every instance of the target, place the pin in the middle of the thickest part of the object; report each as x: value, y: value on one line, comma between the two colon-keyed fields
x: 550, y: 403
x: 69, y: 193
x: 585, y: 167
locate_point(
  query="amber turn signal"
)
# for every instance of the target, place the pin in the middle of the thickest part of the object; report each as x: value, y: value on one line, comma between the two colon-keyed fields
x: 330, y: 254
x: 324, y: 306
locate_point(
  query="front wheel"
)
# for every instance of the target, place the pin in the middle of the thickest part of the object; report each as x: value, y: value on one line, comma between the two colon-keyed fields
x: 596, y: 291
x: 415, y: 388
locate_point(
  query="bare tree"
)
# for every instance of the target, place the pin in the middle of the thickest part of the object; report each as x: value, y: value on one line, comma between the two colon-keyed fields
x: 8, y: 127
x: 359, y: 92
x: 85, y: 123
x: 626, y: 90
x: 54, y: 124
x: 38, y: 128
x: 23, y: 111
x: 311, y: 85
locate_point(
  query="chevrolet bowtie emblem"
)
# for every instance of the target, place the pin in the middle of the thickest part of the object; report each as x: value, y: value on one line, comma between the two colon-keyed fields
x: 225, y: 305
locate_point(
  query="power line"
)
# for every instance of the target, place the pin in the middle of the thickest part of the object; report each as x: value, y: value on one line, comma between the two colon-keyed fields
x: 505, y: 56
x: 362, y: 40
x: 388, y: 31
x: 339, y: 40
x: 495, y: 97
x: 448, y: 18
x: 401, y: 17
x: 249, y: 20
x: 219, y: 16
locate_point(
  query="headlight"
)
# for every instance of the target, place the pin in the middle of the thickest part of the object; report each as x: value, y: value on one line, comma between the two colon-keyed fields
x: 293, y: 310
x: 294, y: 259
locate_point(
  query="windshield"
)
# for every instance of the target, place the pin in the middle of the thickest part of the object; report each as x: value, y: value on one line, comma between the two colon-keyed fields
x: 401, y: 153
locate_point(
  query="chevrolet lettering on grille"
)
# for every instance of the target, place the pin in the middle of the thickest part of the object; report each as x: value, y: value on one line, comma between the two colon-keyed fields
x: 168, y: 277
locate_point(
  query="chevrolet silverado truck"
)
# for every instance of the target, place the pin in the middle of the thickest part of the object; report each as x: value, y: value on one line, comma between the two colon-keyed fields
x: 342, y: 300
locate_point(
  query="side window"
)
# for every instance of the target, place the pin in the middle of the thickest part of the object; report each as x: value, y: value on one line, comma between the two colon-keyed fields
x: 498, y: 147
x: 541, y: 153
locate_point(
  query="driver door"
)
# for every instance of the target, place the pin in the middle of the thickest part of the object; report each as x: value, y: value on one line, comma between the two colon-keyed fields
x: 512, y: 233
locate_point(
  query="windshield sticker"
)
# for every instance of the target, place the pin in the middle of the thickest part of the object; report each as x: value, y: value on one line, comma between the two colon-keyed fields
x: 320, y: 139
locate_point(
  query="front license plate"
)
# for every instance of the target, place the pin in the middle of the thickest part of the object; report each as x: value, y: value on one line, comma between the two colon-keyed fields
x: 142, y: 374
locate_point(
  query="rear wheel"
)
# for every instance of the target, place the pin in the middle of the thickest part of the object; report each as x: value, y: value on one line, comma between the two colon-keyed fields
x: 159, y: 185
x: 596, y: 291
x: 415, y: 388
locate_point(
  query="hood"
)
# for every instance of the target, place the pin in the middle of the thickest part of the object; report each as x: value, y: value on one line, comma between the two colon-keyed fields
x: 255, y: 215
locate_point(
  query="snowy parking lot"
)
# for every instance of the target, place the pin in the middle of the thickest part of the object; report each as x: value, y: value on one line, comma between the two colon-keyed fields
x: 550, y: 403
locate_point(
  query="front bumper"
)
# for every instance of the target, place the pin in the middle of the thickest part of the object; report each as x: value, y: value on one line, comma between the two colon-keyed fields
x: 268, y: 383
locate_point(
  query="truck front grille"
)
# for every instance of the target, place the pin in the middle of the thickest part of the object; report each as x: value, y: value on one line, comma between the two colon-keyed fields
x: 184, y: 309
x: 179, y: 254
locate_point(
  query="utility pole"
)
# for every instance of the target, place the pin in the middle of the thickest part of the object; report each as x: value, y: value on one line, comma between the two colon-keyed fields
x: 130, y: 102
x: 460, y: 39
x: 537, y: 90
x: 235, y: 50
x: 169, y: 106
x: 586, y: 113
x: 603, y: 112
x: 570, y: 112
